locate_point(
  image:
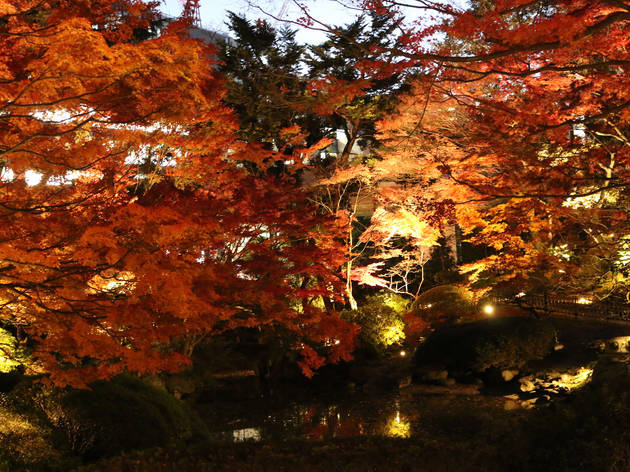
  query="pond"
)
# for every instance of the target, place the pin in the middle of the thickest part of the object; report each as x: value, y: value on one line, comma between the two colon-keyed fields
x: 409, y: 412
x: 389, y: 414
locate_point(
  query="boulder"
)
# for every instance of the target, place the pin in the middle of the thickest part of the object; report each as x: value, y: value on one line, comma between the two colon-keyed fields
x: 436, y: 375
x: 511, y: 405
x: 509, y: 374
x: 527, y: 384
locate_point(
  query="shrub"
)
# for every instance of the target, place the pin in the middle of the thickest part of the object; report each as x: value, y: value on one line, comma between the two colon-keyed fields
x: 381, y: 326
x: 477, y: 346
x: 444, y: 304
x: 12, y: 354
x: 395, y: 301
x: 117, y: 415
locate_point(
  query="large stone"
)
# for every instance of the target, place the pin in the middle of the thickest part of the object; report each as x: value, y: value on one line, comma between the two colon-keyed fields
x: 436, y: 375
x: 509, y: 374
x: 527, y: 385
x: 511, y: 405
x: 529, y: 404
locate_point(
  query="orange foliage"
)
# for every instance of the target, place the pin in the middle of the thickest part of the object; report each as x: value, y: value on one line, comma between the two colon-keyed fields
x: 520, y: 127
x: 144, y: 227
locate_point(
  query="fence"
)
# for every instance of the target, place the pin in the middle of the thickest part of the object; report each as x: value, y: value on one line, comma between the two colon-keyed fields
x: 577, y: 307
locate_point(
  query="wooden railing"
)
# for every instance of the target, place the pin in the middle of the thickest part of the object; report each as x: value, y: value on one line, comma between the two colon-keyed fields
x: 577, y: 307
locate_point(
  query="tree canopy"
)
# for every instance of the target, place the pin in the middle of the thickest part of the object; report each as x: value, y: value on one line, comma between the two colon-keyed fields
x: 129, y: 219
x: 518, y: 123
x: 143, y: 208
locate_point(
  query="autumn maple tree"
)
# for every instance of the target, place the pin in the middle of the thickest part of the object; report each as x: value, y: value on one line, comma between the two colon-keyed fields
x: 129, y: 219
x: 518, y: 124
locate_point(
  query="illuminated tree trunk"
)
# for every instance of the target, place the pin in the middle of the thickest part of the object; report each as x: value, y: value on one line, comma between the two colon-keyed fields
x: 351, y: 299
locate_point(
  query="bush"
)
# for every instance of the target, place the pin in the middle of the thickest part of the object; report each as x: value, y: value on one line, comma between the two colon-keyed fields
x: 395, y: 301
x: 444, y: 304
x: 501, y: 343
x: 117, y: 415
x: 12, y: 354
x: 381, y: 326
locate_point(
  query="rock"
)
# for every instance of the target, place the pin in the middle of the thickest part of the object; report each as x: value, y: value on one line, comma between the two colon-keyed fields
x: 528, y: 404
x: 514, y: 396
x: 558, y: 347
x: 436, y: 375
x: 404, y: 382
x: 527, y: 385
x: 509, y: 374
x: 613, y: 346
x: 511, y: 405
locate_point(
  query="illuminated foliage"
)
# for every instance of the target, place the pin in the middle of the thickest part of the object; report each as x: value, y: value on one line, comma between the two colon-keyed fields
x: 12, y: 355
x: 381, y: 326
x: 519, y: 125
x: 129, y: 216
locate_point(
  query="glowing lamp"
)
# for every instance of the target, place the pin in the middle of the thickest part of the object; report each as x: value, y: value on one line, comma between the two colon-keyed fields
x: 403, y: 353
x: 488, y: 310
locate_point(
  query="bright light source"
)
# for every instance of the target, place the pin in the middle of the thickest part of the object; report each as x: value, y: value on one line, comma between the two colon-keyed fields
x: 403, y: 353
x: 429, y: 305
x: 32, y: 177
x: 584, y: 301
x: 520, y: 294
x: 488, y: 309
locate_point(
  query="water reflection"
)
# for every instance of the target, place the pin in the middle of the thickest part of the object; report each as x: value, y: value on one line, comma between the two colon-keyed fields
x: 398, y: 427
x: 382, y: 415
x: 246, y: 434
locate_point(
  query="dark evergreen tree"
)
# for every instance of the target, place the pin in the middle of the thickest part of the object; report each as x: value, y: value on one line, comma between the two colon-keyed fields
x: 266, y: 84
x: 354, y: 56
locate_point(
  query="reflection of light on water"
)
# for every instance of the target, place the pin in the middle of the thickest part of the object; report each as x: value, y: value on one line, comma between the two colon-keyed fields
x: 246, y: 434
x: 397, y: 427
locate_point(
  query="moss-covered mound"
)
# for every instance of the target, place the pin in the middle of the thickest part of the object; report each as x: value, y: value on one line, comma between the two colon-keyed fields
x: 118, y: 415
x: 502, y: 343
x: 444, y: 304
